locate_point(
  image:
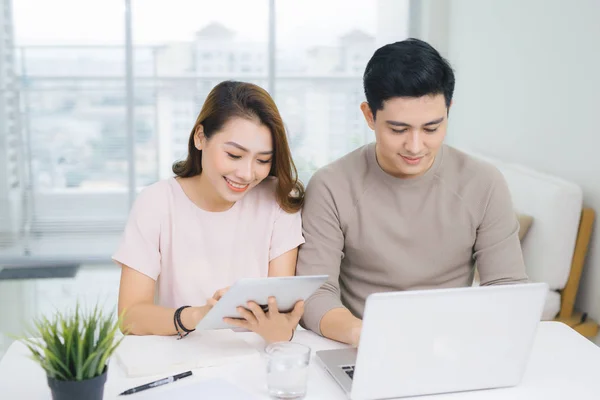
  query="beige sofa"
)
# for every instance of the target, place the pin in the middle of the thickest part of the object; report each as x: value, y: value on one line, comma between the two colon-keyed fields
x: 556, y: 241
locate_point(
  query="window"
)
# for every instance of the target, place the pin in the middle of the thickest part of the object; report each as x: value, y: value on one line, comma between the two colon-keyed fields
x: 73, y: 169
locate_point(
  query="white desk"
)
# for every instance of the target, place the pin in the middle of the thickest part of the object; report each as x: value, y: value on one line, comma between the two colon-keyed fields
x: 563, y: 365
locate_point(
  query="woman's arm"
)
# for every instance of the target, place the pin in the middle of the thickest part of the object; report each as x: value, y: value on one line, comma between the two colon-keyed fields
x: 285, y: 264
x: 142, y: 316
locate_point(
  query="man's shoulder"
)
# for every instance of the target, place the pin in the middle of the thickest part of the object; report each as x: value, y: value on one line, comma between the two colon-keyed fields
x: 462, y: 169
x: 472, y: 179
x: 340, y: 183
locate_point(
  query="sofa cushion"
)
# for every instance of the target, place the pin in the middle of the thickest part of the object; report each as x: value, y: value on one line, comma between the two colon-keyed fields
x: 551, y: 306
x: 555, y: 206
x: 524, y: 224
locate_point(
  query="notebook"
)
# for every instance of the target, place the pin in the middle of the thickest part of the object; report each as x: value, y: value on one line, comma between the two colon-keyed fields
x: 215, y: 388
x: 154, y: 355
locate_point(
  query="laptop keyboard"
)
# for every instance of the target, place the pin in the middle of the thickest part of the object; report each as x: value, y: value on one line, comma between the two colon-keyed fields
x: 349, y: 370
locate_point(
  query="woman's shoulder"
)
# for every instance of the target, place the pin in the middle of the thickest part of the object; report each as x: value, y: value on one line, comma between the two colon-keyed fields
x: 157, y: 194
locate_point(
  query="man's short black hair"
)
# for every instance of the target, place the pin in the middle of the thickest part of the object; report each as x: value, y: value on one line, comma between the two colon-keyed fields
x: 410, y: 68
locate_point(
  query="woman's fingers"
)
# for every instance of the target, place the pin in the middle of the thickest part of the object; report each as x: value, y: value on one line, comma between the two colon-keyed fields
x: 257, y: 311
x: 297, y: 312
x: 219, y: 293
x: 240, y: 323
x: 273, y: 310
x: 248, y: 315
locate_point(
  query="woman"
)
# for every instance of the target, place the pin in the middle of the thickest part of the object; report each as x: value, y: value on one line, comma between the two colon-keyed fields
x: 231, y: 212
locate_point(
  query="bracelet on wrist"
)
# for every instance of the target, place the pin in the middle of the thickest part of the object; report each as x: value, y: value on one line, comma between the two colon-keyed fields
x: 179, y: 325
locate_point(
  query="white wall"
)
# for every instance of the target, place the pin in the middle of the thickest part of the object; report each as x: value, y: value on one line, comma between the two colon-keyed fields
x: 528, y: 90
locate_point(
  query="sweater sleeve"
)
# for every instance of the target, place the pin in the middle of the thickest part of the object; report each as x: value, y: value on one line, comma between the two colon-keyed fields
x: 322, y: 252
x: 497, y: 249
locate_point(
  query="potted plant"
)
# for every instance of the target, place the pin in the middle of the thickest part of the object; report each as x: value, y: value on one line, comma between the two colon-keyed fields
x: 74, y: 351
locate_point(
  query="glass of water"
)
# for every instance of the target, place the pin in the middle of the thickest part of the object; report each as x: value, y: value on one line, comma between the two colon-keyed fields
x: 287, y: 370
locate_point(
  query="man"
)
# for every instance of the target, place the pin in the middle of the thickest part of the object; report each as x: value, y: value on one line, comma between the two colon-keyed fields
x: 406, y: 212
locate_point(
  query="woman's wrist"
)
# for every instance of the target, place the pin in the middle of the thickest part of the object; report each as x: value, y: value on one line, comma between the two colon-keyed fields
x: 190, y: 317
x: 282, y: 337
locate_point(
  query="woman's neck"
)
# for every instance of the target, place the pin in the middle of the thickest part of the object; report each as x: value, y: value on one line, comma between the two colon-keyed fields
x: 204, y: 195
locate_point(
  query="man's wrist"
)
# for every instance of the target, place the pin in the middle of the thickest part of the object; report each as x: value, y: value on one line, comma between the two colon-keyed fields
x: 355, y: 330
x: 341, y: 325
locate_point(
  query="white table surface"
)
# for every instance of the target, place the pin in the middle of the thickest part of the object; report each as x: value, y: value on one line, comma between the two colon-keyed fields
x: 563, y: 365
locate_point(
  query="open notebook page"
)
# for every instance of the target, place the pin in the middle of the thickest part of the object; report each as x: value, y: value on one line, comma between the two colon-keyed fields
x: 153, y: 355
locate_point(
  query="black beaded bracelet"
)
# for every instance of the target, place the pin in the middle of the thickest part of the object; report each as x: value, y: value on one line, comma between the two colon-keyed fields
x: 179, y: 320
x: 175, y: 323
x: 177, y: 329
x: 179, y: 324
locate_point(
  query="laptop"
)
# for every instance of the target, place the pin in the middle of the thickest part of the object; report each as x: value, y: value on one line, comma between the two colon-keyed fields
x: 440, y: 341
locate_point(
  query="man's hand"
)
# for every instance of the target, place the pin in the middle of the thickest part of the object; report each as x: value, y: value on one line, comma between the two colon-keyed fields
x: 273, y: 326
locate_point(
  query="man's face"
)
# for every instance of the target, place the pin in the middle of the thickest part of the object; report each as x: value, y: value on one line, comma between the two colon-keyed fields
x: 409, y: 132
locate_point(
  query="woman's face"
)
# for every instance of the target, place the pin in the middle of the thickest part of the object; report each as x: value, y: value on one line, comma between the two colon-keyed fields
x: 236, y: 158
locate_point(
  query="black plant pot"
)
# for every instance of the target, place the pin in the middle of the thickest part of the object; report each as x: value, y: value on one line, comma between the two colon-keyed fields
x: 89, y: 389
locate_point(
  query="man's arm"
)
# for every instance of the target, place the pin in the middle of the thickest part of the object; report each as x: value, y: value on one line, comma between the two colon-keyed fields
x: 339, y: 324
x: 497, y: 249
x: 321, y: 254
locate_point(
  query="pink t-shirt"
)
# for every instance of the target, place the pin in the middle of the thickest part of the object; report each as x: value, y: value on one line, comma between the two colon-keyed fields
x: 192, y: 253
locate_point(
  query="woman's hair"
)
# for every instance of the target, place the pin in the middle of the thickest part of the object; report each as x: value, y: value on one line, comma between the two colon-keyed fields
x: 231, y: 99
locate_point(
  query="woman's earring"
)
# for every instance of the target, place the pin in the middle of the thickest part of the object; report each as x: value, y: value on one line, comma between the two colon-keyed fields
x: 198, y: 144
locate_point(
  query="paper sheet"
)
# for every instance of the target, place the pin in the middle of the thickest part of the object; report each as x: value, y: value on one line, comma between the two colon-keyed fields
x: 208, y: 389
x: 154, y: 355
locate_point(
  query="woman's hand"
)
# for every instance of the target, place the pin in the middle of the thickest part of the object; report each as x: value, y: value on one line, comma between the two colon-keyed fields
x: 192, y: 315
x: 273, y: 326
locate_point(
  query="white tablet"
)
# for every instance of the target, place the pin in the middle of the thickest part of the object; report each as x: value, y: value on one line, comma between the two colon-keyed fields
x: 287, y: 290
